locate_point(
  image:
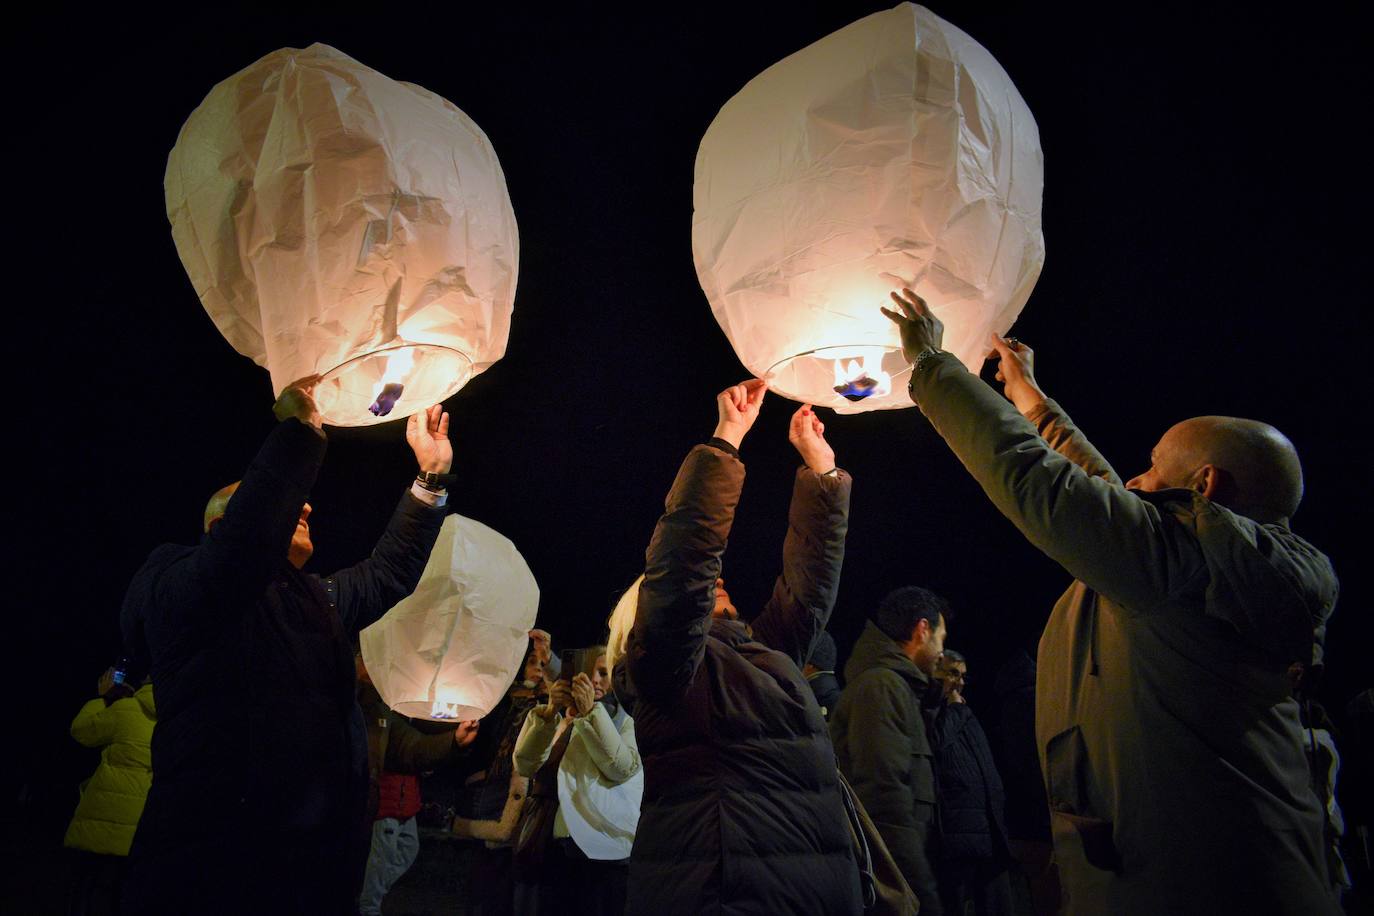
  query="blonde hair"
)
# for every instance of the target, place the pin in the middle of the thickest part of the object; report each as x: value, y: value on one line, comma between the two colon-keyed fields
x: 621, y: 621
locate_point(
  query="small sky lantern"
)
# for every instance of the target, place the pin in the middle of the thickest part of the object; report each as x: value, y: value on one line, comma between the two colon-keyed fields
x: 451, y: 649
x: 336, y: 222
x: 894, y: 152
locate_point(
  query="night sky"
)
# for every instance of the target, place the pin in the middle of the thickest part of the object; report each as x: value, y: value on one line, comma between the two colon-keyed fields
x: 1204, y: 214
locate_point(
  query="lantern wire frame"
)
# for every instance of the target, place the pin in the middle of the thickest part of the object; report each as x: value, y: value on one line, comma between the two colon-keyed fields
x: 344, y: 393
x: 814, y: 370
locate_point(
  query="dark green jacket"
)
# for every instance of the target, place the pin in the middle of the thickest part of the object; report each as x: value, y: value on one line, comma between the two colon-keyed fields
x: 879, y: 731
x: 1168, y: 735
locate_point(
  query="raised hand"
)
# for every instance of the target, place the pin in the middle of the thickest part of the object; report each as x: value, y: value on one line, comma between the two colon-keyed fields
x: 1015, y: 370
x: 427, y: 433
x: 298, y: 400
x: 807, y: 434
x: 737, y: 407
x: 921, y: 330
x: 466, y: 732
x: 583, y: 696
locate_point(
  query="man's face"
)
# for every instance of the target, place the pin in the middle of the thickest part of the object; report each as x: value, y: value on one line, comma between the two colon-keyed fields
x: 951, y: 674
x: 1172, y: 463
x: 301, y: 548
x: 929, y: 644
x: 724, y: 609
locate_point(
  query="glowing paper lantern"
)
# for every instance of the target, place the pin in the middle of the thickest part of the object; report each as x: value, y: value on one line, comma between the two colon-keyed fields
x: 894, y: 152
x: 337, y: 222
x: 451, y: 649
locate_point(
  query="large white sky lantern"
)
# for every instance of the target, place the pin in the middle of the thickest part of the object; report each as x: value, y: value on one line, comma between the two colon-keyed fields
x: 337, y: 222
x: 451, y: 649
x: 894, y: 152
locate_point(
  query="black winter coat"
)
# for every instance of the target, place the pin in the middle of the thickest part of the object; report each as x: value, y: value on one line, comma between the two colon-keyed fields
x: 741, y: 810
x: 972, y: 803
x: 260, y: 757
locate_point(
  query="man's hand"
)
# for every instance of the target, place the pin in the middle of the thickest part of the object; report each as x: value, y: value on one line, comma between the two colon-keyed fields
x: 1015, y: 365
x: 921, y: 330
x: 427, y: 433
x: 807, y: 435
x: 298, y: 400
x: 738, y: 408
x: 106, y: 683
x: 583, y: 695
x: 465, y: 733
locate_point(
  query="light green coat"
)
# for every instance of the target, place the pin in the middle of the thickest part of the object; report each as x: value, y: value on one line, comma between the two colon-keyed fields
x: 112, y: 799
x: 1169, y: 739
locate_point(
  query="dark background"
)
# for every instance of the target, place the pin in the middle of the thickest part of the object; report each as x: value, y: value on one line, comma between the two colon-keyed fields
x: 1205, y: 214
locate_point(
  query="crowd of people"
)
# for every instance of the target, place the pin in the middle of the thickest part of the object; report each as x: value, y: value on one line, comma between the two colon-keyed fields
x: 1153, y: 759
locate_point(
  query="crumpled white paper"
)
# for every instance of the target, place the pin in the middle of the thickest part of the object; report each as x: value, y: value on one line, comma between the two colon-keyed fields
x: 601, y: 815
x: 894, y: 152
x: 451, y: 649
x: 337, y: 222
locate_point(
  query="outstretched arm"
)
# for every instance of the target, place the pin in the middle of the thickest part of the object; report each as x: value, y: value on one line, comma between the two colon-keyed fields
x: 1083, y: 522
x: 682, y: 562
x: 813, y: 551
x: 1016, y: 371
x: 367, y: 590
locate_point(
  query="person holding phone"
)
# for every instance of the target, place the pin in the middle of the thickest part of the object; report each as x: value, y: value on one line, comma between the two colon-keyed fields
x: 579, y: 750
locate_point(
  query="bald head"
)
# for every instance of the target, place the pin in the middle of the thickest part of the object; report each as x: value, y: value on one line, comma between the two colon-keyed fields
x: 1247, y: 466
x: 214, y: 509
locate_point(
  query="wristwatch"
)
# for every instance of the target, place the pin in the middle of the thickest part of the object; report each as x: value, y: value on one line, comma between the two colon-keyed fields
x: 430, y: 481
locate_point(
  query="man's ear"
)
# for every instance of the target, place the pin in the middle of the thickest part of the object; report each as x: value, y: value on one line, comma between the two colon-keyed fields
x: 1209, y: 481
x: 921, y: 632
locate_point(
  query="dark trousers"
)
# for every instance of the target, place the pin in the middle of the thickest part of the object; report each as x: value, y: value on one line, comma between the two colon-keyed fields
x: 570, y: 884
x: 971, y: 887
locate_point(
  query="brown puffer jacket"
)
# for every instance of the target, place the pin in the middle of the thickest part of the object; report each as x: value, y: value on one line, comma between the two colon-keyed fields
x: 741, y: 810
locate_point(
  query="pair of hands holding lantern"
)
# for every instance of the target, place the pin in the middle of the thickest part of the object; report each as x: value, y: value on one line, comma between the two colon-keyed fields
x: 737, y: 407
x: 922, y: 331
x: 426, y: 432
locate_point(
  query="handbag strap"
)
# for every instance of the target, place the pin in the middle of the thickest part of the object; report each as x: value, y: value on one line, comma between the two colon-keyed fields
x: 868, y: 881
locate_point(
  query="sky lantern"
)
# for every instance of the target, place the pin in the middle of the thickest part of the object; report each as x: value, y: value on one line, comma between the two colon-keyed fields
x: 451, y: 649
x: 337, y: 222
x: 894, y: 152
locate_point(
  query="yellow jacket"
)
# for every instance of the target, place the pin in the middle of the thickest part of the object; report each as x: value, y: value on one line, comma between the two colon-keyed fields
x: 112, y: 799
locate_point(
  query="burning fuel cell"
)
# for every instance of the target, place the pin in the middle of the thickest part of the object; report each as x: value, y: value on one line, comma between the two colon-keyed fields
x: 893, y: 153
x: 382, y: 252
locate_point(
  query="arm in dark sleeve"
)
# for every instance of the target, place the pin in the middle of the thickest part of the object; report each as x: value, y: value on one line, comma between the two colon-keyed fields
x: 410, y: 750
x: 682, y: 564
x: 812, y: 554
x: 1085, y: 523
x: 369, y: 589
x: 244, y: 549
x: 880, y: 755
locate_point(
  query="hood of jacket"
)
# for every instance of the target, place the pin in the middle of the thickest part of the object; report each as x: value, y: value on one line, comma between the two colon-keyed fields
x: 875, y: 649
x: 1275, y: 588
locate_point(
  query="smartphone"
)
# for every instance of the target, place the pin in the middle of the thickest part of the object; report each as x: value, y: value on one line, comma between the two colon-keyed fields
x: 567, y: 659
x: 121, y: 672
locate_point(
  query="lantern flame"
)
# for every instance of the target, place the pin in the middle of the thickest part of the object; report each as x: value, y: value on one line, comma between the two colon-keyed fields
x: 856, y: 380
x: 442, y: 710
x: 388, y: 391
